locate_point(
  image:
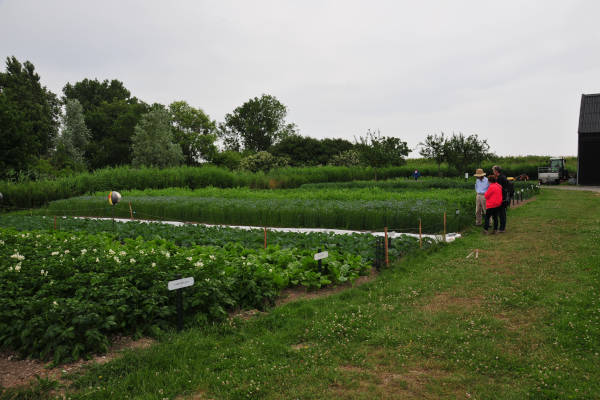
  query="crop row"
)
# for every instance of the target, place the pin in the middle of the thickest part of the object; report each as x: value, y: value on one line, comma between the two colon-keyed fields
x: 37, y: 193
x: 199, y: 235
x: 400, y: 215
x: 63, y: 294
x: 404, y: 184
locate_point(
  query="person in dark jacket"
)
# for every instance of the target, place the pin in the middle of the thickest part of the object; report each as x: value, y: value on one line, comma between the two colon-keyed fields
x: 502, y: 181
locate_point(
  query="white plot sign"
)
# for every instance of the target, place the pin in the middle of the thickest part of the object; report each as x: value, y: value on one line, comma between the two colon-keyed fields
x: 181, y: 283
x: 321, y: 255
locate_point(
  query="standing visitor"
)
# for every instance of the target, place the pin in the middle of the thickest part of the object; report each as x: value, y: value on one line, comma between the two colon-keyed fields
x: 416, y: 174
x: 481, y: 186
x: 502, y: 181
x: 493, y: 198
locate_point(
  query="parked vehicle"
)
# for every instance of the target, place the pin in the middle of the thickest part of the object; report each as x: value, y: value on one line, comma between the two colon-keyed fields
x: 555, y: 172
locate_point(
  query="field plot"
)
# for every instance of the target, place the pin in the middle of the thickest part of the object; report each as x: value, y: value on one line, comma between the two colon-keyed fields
x: 68, y: 285
x: 362, y: 208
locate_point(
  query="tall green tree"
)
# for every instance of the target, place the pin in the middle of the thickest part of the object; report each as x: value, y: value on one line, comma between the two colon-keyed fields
x: 256, y: 125
x: 72, y: 141
x: 29, y: 117
x: 152, y: 143
x: 304, y: 150
x: 466, y: 152
x: 434, y: 148
x: 382, y: 151
x: 194, y: 131
x: 111, y: 114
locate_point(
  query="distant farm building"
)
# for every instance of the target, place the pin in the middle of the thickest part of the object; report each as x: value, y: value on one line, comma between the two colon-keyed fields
x: 588, y: 149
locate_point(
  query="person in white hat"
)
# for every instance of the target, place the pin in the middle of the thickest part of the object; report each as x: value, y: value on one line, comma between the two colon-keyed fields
x: 481, y: 186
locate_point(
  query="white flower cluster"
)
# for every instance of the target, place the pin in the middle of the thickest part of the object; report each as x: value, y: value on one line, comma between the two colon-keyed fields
x: 17, y: 267
x: 17, y: 256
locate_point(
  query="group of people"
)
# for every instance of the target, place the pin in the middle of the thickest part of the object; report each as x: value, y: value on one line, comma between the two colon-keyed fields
x: 493, y: 197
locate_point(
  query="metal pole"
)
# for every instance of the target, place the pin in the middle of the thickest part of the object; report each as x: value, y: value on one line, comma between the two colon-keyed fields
x: 319, y: 262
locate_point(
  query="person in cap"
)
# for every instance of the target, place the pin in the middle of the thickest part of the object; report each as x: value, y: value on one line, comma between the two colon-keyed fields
x: 481, y: 186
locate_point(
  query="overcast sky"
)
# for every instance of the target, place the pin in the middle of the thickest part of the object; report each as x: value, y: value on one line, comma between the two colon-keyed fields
x: 511, y: 72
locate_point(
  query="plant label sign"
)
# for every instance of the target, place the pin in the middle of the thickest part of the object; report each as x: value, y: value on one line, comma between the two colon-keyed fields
x: 321, y: 255
x: 181, y: 283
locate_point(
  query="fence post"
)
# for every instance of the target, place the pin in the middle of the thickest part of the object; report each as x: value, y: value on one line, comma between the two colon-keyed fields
x: 444, y: 226
x: 387, y: 261
x: 55, y: 222
x: 130, y: 211
x: 420, y: 235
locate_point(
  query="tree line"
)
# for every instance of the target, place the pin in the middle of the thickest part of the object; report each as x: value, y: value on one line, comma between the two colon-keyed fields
x: 96, y: 124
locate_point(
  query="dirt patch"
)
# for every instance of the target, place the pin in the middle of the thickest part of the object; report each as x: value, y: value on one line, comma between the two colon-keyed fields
x: 446, y: 301
x: 384, y: 383
x: 15, y: 372
x: 302, y: 293
x: 518, y: 322
x: 246, y: 314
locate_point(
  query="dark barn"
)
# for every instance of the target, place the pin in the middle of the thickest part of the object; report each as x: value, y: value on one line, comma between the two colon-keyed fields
x: 588, y: 149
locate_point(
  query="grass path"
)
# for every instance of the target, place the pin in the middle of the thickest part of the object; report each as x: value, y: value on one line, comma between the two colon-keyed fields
x: 522, y: 320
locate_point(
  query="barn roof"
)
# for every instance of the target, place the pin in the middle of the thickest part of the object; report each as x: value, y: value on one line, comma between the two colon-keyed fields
x: 589, y: 115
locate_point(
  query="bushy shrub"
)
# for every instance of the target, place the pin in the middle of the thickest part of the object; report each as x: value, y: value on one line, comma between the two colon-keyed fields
x: 262, y: 161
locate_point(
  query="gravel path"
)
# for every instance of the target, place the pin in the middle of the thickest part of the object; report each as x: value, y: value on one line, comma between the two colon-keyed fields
x: 569, y: 187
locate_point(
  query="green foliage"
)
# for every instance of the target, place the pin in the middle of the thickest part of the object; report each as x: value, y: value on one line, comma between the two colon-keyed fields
x: 366, y: 209
x: 256, y: 125
x: 228, y: 159
x: 152, y: 143
x: 189, y: 235
x: 194, y: 132
x: 433, y: 148
x: 348, y: 158
x: 306, y: 151
x: 262, y: 161
x: 410, y: 184
x: 460, y: 152
x: 26, y: 193
x: 465, y: 153
x: 111, y: 114
x: 71, y: 143
x: 382, y: 151
x: 28, y: 118
x: 63, y: 294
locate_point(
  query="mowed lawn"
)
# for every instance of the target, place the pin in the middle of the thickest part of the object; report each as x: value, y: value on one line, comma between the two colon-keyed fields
x: 521, y: 320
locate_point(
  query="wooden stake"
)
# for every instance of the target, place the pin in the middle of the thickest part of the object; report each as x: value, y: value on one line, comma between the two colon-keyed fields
x: 55, y: 222
x: 265, y: 229
x: 444, y: 226
x: 387, y: 261
x: 130, y: 211
x: 420, y: 235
